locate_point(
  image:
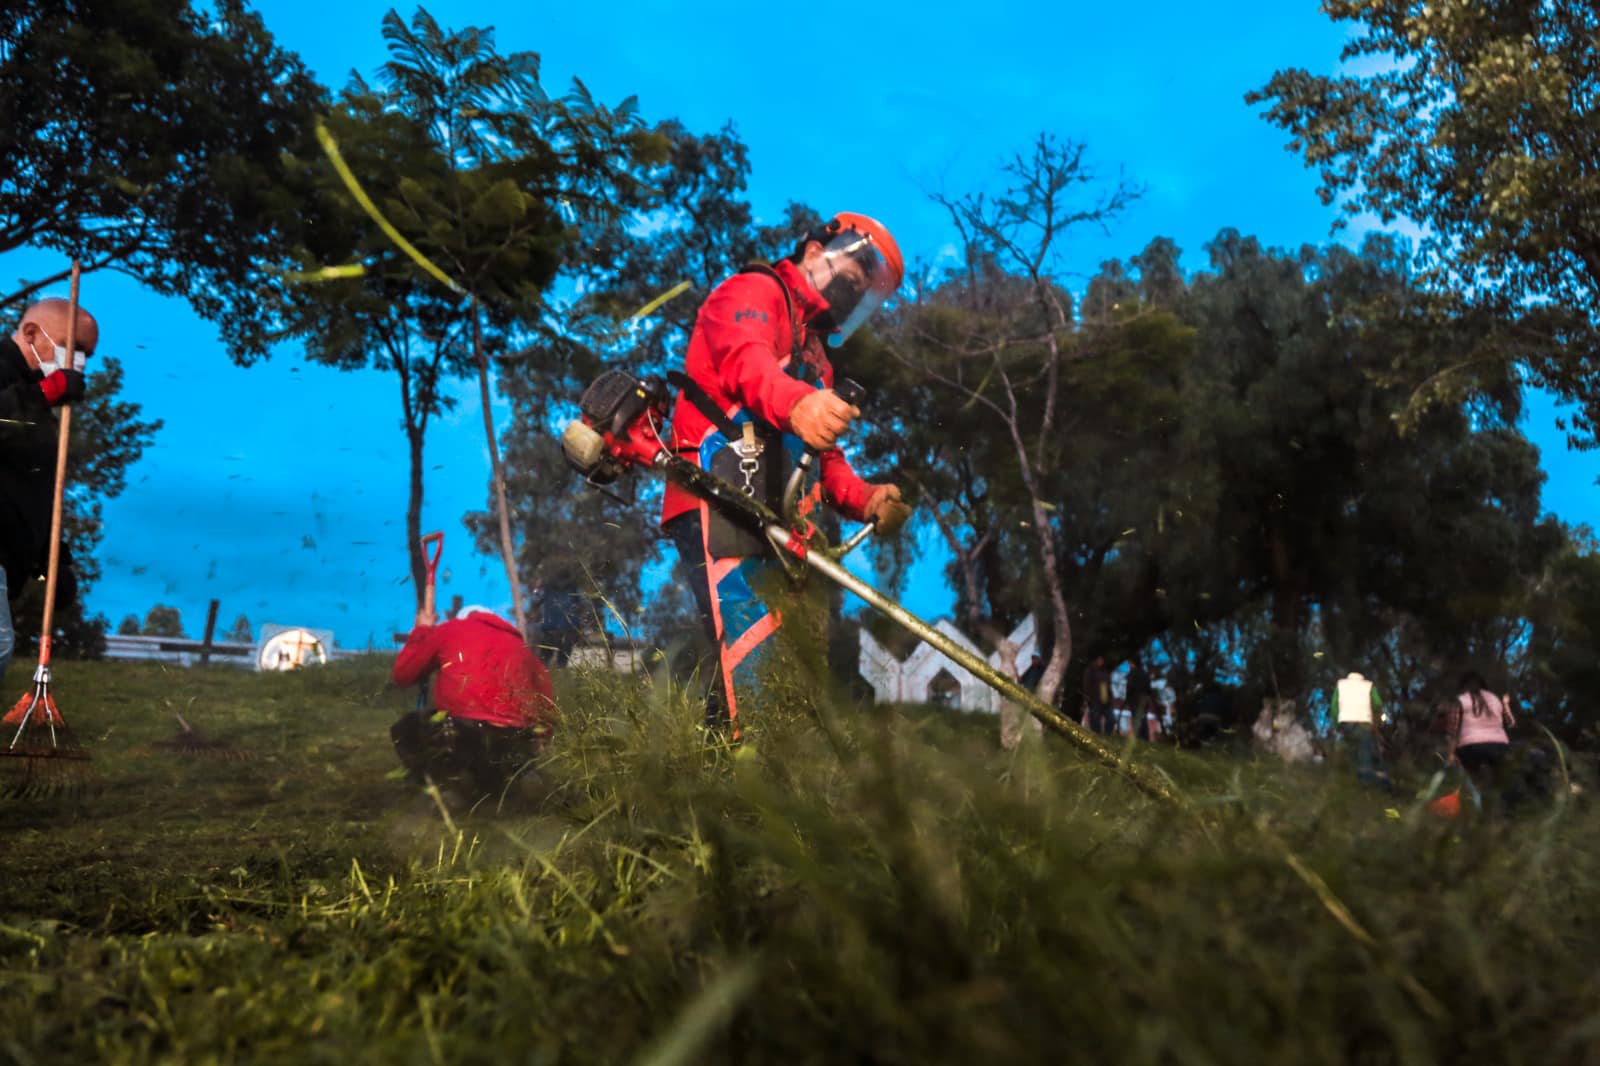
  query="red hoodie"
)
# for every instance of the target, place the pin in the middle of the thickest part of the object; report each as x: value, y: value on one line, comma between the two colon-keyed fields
x: 486, y: 671
x: 741, y: 348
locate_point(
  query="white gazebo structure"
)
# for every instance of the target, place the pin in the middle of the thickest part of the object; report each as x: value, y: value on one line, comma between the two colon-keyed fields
x: 929, y: 676
x: 292, y: 647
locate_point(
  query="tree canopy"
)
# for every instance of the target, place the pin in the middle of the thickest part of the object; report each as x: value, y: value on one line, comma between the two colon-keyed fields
x: 150, y: 137
x: 1233, y: 479
x: 490, y: 178
x: 1481, y: 123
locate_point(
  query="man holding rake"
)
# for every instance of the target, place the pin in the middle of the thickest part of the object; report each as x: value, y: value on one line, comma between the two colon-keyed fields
x: 33, y: 380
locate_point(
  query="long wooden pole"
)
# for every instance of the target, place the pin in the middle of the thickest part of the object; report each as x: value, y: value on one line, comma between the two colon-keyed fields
x: 507, y: 551
x: 61, y: 480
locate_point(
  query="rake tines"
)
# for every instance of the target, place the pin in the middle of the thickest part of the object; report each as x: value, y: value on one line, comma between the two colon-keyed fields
x: 42, y: 759
x: 190, y: 741
x: 48, y: 774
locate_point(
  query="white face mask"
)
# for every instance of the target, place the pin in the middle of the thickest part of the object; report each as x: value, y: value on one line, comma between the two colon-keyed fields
x: 58, y: 355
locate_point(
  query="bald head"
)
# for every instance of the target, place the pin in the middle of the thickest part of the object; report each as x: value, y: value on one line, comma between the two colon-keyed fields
x: 44, y: 327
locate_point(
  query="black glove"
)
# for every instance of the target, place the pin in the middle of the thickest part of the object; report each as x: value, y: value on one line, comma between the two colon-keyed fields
x: 62, y: 386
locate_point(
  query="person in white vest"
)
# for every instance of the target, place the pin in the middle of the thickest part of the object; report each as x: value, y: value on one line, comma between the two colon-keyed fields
x: 1359, y: 707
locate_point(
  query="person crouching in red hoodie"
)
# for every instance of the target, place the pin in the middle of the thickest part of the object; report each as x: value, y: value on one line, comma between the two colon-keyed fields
x: 495, y: 708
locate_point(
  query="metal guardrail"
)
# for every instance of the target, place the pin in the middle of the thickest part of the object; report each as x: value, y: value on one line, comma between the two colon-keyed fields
x: 181, y: 651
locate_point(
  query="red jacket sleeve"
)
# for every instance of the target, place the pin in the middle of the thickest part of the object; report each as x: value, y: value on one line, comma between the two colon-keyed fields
x: 842, y: 487
x: 419, y: 657
x: 742, y: 323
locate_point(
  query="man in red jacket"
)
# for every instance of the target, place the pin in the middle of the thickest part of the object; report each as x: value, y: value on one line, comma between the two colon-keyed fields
x: 495, y: 705
x: 761, y: 394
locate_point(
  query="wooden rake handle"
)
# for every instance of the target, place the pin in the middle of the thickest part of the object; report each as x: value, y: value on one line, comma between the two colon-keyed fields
x: 63, y: 434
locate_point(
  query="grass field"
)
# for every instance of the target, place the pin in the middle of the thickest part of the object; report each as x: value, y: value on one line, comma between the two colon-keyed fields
x: 855, y: 885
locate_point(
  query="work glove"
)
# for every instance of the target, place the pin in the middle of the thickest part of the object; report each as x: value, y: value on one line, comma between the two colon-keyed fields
x: 887, y: 510
x: 819, y: 418
x: 62, y: 386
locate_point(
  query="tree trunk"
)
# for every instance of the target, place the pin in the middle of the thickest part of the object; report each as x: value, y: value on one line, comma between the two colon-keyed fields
x: 1286, y: 619
x: 1055, y: 669
x: 419, y: 565
x: 508, y: 554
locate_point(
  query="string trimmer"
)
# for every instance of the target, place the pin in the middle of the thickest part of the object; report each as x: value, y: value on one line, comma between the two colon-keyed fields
x: 34, y: 734
x: 622, y: 427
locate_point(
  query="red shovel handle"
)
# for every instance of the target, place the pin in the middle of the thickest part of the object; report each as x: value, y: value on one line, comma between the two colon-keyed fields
x: 431, y: 559
x: 436, y: 540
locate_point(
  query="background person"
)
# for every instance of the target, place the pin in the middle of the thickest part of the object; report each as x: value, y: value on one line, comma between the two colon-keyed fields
x: 33, y: 380
x: 1014, y: 720
x: 1479, y: 742
x: 494, y: 701
x: 1097, y: 696
x: 1140, y: 697
x: 1358, y: 705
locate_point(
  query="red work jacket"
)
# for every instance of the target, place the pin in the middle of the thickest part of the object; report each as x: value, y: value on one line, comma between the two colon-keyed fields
x: 485, y: 671
x: 741, y: 354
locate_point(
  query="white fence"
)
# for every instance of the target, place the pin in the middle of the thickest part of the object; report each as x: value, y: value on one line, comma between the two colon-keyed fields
x: 180, y: 651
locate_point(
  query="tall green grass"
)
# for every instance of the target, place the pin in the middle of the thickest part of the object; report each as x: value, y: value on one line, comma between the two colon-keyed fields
x: 853, y: 884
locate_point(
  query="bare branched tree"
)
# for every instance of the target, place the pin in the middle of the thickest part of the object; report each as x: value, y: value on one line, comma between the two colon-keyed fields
x: 1001, y: 341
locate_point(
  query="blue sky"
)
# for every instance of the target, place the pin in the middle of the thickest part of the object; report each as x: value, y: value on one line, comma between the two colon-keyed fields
x: 280, y: 490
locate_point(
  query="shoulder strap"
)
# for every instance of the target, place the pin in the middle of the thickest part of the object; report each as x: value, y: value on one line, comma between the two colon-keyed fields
x: 703, y: 403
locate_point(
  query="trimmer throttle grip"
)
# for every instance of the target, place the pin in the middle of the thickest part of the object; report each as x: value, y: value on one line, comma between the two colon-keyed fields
x: 850, y: 392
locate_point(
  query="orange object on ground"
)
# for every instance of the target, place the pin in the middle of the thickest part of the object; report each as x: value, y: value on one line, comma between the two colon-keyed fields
x: 1447, y: 805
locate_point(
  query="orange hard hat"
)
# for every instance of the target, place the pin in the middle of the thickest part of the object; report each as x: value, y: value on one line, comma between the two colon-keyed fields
x: 879, y: 235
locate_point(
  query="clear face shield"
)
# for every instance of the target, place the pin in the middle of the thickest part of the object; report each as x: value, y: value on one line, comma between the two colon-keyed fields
x: 858, y: 280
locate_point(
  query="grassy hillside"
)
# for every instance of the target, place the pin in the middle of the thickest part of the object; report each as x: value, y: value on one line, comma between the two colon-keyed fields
x: 853, y: 885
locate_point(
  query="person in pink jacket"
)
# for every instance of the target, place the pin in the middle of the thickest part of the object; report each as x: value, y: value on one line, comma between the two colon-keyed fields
x: 1479, y: 743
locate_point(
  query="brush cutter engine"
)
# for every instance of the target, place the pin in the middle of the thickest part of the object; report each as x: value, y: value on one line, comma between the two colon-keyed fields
x: 622, y: 420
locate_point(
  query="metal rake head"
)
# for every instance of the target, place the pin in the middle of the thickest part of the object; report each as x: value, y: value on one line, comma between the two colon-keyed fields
x: 190, y: 741
x: 45, y: 772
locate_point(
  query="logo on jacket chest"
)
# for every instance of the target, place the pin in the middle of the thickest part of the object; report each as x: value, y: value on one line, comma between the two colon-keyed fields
x: 749, y: 313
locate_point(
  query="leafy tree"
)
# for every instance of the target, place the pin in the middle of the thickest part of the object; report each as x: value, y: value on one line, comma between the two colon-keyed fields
x: 1476, y: 121
x: 1300, y: 525
x: 129, y: 626
x: 149, y: 138
x: 1233, y: 487
x: 1556, y: 677
x: 582, y: 552
x: 163, y: 621
x: 242, y: 632
x: 489, y: 178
